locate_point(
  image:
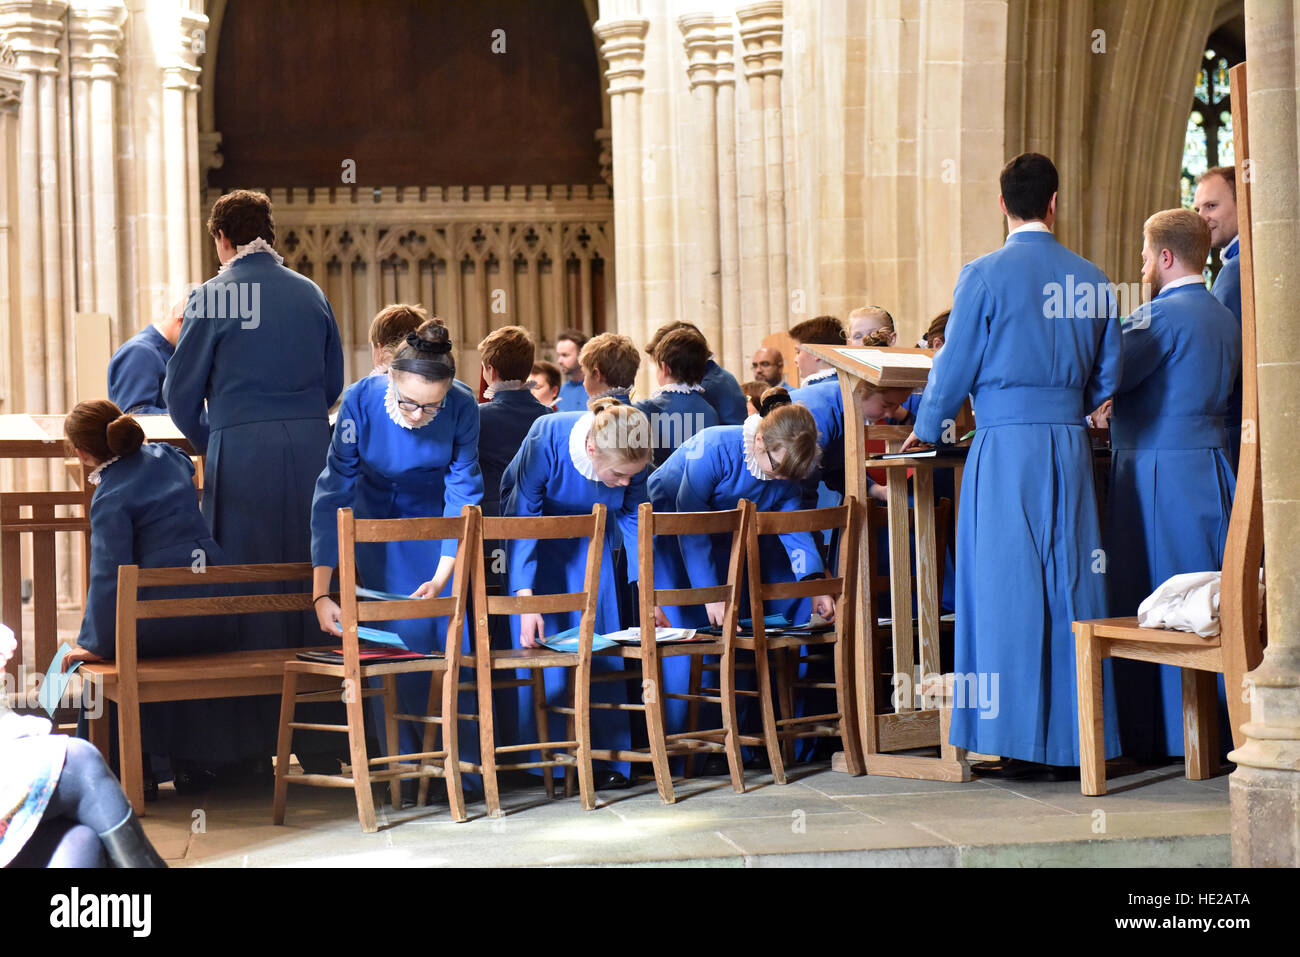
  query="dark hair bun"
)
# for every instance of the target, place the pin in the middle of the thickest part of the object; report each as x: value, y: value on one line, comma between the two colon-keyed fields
x: 124, y: 435
x: 431, y: 339
x: 772, y: 399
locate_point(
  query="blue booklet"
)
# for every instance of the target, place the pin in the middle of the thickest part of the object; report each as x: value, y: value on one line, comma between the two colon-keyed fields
x: 567, y: 641
x: 375, y: 636
x: 56, y: 681
x: 380, y: 595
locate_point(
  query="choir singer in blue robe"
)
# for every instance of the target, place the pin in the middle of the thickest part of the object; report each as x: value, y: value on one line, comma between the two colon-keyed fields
x: 678, y: 410
x: 569, y: 462
x: 721, y: 389
x: 1034, y: 340
x: 405, y: 446
x: 1171, y: 486
x: 261, y: 347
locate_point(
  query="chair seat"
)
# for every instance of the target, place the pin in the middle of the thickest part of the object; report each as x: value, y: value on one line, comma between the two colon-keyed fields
x: 367, y: 670
x: 672, y: 649
x: 1128, y: 629
x: 264, y: 662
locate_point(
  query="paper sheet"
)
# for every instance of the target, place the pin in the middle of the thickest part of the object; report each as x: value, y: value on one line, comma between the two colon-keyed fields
x: 56, y: 680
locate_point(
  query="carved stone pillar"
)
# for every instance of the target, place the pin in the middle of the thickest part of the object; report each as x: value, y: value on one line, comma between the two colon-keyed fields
x: 761, y: 31
x: 11, y: 96
x: 623, y: 47
x: 1265, y: 788
x: 181, y: 159
x: 95, y: 35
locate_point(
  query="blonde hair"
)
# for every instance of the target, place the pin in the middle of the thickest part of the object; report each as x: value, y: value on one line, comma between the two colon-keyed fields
x: 789, y: 427
x: 1182, y: 232
x: 615, y: 357
x: 620, y: 433
x: 863, y: 311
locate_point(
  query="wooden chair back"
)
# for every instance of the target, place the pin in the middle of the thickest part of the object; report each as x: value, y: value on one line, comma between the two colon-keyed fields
x: 43, y: 525
x: 733, y: 522
x: 545, y: 527
x: 1242, y: 642
x: 353, y: 530
x: 847, y: 520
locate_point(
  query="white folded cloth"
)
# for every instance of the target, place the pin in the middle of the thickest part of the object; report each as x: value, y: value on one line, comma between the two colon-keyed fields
x: 1187, y: 602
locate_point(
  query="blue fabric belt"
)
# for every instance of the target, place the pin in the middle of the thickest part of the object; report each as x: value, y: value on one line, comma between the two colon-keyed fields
x: 1168, y: 432
x: 1028, y: 405
x: 241, y: 409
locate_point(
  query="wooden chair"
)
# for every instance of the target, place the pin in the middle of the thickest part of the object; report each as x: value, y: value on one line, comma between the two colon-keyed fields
x: 574, y: 752
x: 843, y: 722
x: 354, y: 675
x: 1239, y: 646
x: 130, y: 681
x: 650, y: 655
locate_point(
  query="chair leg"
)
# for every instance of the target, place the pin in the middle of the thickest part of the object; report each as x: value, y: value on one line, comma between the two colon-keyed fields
x: 656, y: 733
x: 129, y: 754
x: 1200, y: 723
x: 582, y: 729
x: 487, y: 741
x: 570, y: 734
x: 543, y: 718
x: 99, y: 732
x: 730, y: 720
x: 1090, y: 689
x: 770, y: 736
x: 1238, y: 705
x: 451, y: 749
x: 846, y: 704
x: 787, y: 667
x: 393, y: 734
x: 360, y: 760
x: 288, y: 699
x: 694, y: 684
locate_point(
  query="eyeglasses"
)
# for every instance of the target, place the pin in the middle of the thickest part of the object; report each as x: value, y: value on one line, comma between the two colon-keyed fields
x: 406, y: 405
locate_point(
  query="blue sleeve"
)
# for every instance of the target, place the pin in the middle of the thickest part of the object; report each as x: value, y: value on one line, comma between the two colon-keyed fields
x: 1143, y: 348
x: 805, y: 556
x: 731, y: 405
x: 112, y: 543
x: 958, y: 363
x: 628, y: 526
x: 523, y: 490
x: 1227, y: 286
x: 464, y: 483
x: 135, y: 378
x: 186, y: 384
x: 1108, y: 367
x: 333, y: 357
x: 699, y: 478
x: 336, y: 486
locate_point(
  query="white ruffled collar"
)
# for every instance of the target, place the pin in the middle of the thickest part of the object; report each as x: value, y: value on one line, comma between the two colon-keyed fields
x: 97, y: 473
x: 507, y: 385
x: 258, y: 245
x: 681, y: 387
x: 748, y: 431
x: 818, y: 376
x: 618, y: 393
x: 578, y: 446
x: 394, y: 413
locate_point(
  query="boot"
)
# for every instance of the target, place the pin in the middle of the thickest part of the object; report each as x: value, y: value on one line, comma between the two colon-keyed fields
x: 127, y: 845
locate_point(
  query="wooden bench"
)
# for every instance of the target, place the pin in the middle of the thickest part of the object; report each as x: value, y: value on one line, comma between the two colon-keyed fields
x: 130, y: 681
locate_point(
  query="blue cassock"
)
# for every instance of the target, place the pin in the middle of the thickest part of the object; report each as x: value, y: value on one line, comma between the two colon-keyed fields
x: 381, y: 470
x: 1227, y: 289
x: 708, y: 474
x: 572, y: 397
x: 826, y: 403
x: 145, y: 512
x: 543, y: 480
x: 723, y: 392
x: 1171, y: 486
x: 136, y: 373
x: 260, y: 345
x: 504, y: 420
x: 1032, y: 340
x: 674, y: 418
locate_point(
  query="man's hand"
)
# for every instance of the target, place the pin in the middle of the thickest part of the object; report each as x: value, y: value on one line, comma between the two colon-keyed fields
x: 824, y: 606
x: 715, y: 610
x: 79, y: 653
x: 532, y: 629
x: 661, y: 620
x: 329, y: 616
x: 879, y: 492
x: 912, y: 442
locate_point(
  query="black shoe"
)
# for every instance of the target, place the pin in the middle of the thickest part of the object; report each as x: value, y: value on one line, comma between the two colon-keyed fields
x: 715, y: 766
x: 319, y: 764
x: 190, y: 778
x: 127, y: 846
x: 150, y: 786
x: 611, y: 781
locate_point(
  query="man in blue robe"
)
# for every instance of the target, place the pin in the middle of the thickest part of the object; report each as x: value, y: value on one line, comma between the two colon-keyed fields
x: 573, y: 394
x: 138, y: 367
x: 1034, y: 339
x: 1215, y: 202
x: 1171, y: 486
x: 260, y: 346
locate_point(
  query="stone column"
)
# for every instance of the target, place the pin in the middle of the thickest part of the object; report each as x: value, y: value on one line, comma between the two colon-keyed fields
x: 95, y: 35
x: 700, y: 34
x: 11, y: 97
x: 623, y: 47
x: 730, y: 350
x: 181, y: 157
x: 761, y: 29
x: 1265, y: 788
x: 755, y: 264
